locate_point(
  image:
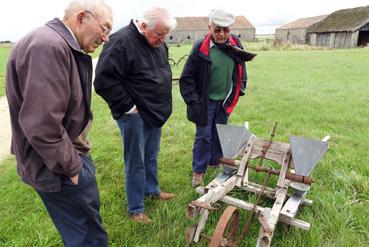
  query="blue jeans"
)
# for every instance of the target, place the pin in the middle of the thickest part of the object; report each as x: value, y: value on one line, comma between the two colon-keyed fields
x: 141, y: 148
x: 75, y: 209
x: 206, y: 148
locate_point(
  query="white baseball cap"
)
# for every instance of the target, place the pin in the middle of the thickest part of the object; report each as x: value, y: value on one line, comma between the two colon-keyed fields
x: 221, y: 18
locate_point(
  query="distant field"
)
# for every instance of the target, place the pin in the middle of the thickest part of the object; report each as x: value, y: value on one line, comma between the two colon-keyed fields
x: 4, y: 53
x: 311, y: 93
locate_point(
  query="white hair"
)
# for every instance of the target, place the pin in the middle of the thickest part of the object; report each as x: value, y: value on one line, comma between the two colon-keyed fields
x: 155, y: 14
x: 94, y: 6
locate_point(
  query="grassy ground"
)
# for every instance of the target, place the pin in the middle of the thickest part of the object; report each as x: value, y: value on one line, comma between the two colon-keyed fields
x: 4, y: 53
x: 311, y: 93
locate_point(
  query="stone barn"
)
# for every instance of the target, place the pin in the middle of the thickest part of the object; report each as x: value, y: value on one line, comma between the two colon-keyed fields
x: 346, y: 28
x: 190, y: 29
x: 295, y: 31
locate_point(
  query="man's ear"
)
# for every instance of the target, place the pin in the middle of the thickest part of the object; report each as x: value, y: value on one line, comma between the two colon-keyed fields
x: 80, y: 16
x: 144, y: 26
x: 209, y: 26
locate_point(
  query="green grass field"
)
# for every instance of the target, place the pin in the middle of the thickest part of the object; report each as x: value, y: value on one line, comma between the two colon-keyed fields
x: 311, y: 93
x: 4, y: 53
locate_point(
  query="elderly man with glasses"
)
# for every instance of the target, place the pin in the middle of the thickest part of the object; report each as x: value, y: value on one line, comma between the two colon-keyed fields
x: 212, y: 79
x: 48, y: 86
x: 135, y: 79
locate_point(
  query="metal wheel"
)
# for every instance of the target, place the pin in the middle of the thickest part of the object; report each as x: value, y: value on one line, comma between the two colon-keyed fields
x: 226, y: 230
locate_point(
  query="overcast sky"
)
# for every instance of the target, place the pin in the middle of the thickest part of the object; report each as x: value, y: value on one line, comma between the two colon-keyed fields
x: 17, y: 17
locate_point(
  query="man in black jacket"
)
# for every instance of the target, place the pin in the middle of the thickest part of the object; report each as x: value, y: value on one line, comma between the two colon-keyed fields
x: 211, y: 82
x: 135, y: 79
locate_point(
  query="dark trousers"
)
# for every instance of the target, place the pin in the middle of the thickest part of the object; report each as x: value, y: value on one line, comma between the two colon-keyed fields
x: 206, y: 148
x: 75, y: 209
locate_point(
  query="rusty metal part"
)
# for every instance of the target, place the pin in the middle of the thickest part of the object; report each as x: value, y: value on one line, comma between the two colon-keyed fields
x: 190, y: 233
x: 266, y: 148
x: 226, y: 229
x: 201, y: 205
x: 206, y: 237
x: 229, y: 162
x: 191, y: 211
x: 291, y: 176
x: 264, y: 223
x: 246, y: 227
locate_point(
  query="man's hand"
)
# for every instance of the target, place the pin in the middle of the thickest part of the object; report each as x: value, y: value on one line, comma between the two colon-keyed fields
x: 74, y: 179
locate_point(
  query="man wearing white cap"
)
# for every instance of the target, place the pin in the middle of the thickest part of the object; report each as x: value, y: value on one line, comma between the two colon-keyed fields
x: 211, y: 82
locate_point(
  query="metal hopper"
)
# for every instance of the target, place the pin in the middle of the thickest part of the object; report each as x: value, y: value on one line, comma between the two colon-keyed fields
x: 232, y: 139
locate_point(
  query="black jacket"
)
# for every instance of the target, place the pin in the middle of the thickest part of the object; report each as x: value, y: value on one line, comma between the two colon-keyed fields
x: 195, y: 79
x: 130, y: 72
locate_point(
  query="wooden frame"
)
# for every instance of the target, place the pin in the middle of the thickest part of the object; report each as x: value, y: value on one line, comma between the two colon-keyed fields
x: 284, y: 208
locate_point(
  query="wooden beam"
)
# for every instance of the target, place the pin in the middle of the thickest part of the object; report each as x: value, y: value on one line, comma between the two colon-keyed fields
x: 249, y: 206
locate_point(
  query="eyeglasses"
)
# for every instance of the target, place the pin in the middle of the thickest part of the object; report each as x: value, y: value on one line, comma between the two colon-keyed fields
x: 219, y: 29
x: 105, y: 30
x: 159, y: 35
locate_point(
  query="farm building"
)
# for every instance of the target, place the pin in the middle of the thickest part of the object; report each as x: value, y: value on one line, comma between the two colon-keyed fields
x: 346, y: 28
x: 295, y: 32
x: 190, y: 29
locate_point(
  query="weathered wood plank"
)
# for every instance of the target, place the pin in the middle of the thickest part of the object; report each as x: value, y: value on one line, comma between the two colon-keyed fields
x: 249, y: 206
x: 201, y: 225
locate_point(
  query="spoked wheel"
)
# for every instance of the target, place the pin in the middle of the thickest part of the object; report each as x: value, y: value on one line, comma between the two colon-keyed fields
x: 226, y: 230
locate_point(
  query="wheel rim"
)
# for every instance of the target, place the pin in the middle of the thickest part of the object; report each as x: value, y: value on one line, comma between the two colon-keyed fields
x: 226, y: 230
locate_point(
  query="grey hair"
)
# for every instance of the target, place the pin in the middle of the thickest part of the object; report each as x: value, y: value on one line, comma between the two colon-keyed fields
x: 152, y: 15
x: 81, y: 5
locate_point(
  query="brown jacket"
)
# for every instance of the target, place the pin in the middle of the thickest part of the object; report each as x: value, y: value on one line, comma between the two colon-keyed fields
x: 48, y: 86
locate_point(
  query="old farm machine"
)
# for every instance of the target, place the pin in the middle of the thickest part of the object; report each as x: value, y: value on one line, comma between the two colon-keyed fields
x: 244, y: 154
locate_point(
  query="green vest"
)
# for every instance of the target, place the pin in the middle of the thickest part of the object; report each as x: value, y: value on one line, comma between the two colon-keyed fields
x: 221, y: 72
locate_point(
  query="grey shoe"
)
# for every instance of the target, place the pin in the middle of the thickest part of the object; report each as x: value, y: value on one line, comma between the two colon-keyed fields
x: 197, y: 179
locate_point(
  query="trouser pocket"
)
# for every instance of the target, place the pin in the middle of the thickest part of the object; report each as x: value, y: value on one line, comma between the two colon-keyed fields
x: 86, y: 175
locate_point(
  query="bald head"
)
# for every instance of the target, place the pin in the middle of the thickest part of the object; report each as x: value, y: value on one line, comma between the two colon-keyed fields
x: 91, y: 5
